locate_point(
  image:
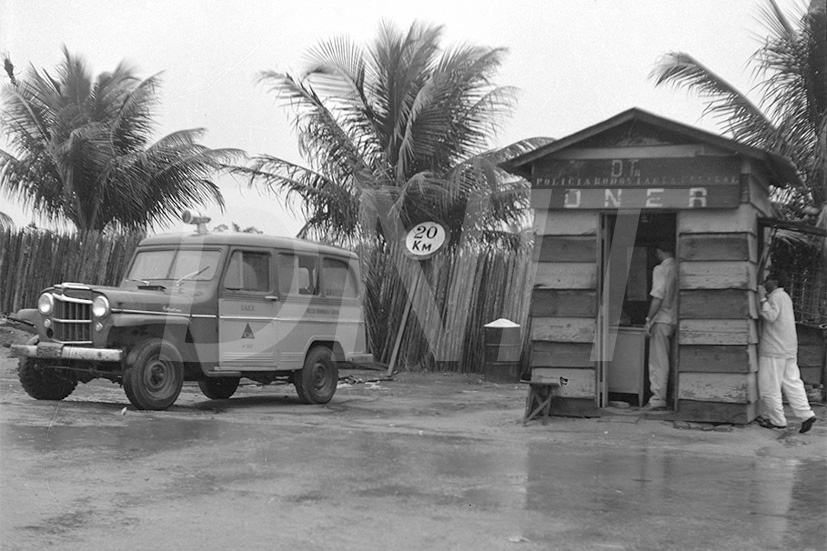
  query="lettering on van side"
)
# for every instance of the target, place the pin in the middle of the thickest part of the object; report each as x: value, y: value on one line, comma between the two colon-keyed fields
x: 323, y: 311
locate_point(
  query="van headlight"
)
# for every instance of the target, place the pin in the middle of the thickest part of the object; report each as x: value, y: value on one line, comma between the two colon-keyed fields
x: 100, y: 307
x: 46, y: 304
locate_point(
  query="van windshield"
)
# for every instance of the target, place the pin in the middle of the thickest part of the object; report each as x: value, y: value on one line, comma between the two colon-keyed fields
x: 174, y: 264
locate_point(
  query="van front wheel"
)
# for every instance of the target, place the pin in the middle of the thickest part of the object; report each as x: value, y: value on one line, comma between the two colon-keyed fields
x: 316, y: 382
x: 44, y: 383
x: 155, y: 375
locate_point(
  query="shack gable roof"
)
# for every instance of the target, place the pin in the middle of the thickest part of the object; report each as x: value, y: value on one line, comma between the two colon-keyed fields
x: 636, y: 127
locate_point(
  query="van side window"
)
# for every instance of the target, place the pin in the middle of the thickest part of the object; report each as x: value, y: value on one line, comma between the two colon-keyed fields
x: 286, y: 266
x: 338, y: 279
x: 248, y: 271
x: 298, y: 274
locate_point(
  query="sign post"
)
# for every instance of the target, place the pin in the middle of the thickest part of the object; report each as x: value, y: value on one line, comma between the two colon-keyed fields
x: 421, y: 242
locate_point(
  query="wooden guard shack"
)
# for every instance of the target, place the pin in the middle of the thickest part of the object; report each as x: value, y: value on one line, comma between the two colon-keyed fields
x: 603, y: 198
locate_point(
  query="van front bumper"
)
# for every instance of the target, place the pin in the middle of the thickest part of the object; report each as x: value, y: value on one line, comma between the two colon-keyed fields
x: 51, y: 351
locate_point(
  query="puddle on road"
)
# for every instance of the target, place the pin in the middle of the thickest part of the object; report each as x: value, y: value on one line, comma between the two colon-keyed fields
x: 146, y: 437
x: 667, y: 480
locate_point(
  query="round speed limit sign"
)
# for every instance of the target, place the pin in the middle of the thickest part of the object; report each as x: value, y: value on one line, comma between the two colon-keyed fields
x: 425, y: 239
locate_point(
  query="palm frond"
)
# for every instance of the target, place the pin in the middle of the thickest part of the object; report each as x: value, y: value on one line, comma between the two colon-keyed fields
x: 775, y: 21
x: 322, y: 202
x: 505, y: 153
x: 6, y: 221
x: 731, y: 108
x: 321, y: 137
x: 134, y: 121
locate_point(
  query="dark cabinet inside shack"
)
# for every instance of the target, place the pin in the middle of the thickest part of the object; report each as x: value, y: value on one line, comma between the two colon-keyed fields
x: 629, y: 258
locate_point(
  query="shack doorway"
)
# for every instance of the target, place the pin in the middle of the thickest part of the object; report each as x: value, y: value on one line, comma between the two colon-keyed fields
x: 629, y: 240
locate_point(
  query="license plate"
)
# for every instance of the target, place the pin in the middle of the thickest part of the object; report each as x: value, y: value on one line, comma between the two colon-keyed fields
x: 49, y: 350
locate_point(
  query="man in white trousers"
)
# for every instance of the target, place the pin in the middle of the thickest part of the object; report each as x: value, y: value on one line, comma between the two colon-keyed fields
x: 778, y: 357
x: 660, y: 325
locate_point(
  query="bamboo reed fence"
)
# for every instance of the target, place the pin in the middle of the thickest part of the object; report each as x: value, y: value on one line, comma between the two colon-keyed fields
x: 453, y: 295
x: 809, y: 295
x: 806, y: 267
x: 30, y: 261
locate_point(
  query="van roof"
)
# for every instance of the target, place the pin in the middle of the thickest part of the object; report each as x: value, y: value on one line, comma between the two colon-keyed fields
x: 245, y: 240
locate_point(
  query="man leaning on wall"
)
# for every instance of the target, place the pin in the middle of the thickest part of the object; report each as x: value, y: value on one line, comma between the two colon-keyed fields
x: 778, y: 357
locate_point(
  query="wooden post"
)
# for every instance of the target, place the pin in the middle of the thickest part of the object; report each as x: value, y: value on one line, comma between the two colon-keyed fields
x: 404, y: 324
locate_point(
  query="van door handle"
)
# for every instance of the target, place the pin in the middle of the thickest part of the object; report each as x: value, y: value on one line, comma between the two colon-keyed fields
x: 272, y: 298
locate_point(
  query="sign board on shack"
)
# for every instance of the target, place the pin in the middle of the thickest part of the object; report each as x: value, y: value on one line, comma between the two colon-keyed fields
x: 646, y: 183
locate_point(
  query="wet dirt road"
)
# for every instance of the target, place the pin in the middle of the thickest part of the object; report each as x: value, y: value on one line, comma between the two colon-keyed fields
x: 422, y: 462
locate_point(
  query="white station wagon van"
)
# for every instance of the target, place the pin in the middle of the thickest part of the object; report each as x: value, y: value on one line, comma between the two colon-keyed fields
x: 206, y: 307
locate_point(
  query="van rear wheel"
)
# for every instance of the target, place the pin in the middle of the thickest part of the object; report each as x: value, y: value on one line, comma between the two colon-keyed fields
x: 316, y: 382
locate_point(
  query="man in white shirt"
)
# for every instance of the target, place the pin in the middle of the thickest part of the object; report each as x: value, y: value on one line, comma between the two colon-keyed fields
x: 778, y: 357
x: 660, y: 325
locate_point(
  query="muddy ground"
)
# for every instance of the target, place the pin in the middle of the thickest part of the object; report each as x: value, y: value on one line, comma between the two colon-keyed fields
x: 419, y: 461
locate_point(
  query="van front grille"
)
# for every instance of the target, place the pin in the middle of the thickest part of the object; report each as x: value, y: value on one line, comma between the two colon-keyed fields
x: 72, y: 320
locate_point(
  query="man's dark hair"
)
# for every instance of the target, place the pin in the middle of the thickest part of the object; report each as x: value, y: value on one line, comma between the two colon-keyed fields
x: 780, y: 276
x: 667, y: 247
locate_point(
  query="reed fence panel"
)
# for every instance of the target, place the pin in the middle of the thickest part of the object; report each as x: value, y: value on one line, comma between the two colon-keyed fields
x: 453, y: 296
x: 30, y: 261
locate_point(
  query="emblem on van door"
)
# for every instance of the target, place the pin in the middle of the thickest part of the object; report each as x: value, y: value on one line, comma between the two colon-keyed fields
x: 248, y: 308
x: 248, y: 333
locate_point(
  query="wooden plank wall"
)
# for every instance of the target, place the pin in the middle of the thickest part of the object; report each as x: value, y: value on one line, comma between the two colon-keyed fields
x: 564, y: 301
x: 718, y: 327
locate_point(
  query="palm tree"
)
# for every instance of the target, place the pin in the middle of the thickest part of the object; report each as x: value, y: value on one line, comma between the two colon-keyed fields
x: 396, y: 129
x: 82, y: 150
x: 393, y: 133
x: 791, y: 118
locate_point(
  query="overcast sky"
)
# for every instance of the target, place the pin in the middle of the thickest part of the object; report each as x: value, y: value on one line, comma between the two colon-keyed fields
x: 575, y: 62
